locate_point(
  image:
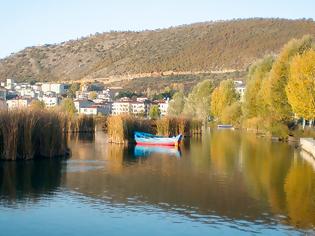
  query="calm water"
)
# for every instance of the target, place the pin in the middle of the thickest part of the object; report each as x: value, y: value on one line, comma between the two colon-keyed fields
x: 227, y: 183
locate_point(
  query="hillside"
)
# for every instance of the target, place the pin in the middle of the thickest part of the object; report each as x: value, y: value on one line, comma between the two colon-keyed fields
x: 222, y: 45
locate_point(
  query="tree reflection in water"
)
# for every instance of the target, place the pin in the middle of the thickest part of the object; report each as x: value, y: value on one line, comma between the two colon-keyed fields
x: 225, y: 174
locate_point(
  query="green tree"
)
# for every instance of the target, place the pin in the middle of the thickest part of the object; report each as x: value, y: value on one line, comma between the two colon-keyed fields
x: 67, y: 105
x: 37, y: 105
x: 198, y: 102
x: 72, y: 90
x: 176, y: 105
x: 154, y: 112
x: 300, y: 89
x: 223, y: 96
x: 279, y: 77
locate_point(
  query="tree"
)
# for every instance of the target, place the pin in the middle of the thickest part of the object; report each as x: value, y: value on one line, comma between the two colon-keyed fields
x: 92, y: 95
x: 279, y: 77
x: 72, y: 90
x: 232, y: 114
x: 37, y: 105
x: 222, y: 97
x: 154, y: 112
x: 198, y: 102
x: 176, y: 105
x: 258, y: 72
x: 67, y: 105
x: 300, y: 89
x: 263, y: 100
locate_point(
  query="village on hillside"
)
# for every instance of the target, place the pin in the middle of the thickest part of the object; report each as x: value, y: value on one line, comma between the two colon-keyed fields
x: 20, y: 95
x: 87, y: 101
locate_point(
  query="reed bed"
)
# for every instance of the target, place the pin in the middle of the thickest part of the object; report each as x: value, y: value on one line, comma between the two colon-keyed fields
x: 195, y: 127
x: 171, y: 126
x: 120, y: 129
x: 81, y: 124
x: 32, y: 134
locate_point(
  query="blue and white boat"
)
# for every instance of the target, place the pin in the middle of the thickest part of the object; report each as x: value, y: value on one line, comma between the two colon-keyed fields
x: 142, y: 138
x: 225, y: 126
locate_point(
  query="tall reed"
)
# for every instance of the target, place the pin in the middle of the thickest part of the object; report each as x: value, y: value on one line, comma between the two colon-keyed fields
x: 32, y: 134
x: 81, y: 123
x: 120, y: 129
x: 171, y: 126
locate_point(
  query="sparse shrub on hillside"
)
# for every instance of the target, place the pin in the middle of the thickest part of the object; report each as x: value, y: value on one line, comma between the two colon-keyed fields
x: 185, y: 48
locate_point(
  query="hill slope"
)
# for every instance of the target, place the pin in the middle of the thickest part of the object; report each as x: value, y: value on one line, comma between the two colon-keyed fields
x: 197, y: 47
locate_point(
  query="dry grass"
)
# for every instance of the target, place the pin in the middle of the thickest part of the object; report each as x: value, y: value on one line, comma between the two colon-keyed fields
x: 32, y: 134
x: 81, y: 123
x: 171, y: 126
x: 120, y: 129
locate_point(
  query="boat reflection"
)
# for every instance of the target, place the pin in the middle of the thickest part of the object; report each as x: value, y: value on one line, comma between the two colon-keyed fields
x: 147, y: 150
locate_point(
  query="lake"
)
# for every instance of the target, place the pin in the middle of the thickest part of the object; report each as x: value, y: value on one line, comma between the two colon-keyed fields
x: 225, y: 183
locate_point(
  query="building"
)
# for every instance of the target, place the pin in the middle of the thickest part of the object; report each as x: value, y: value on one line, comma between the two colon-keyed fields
x: 50, y: 99
x: 3, y: 93
x: 105, y: 95
x: 99, y: 109
x: 163, y: 106
x: 240, y: 88
x: 241, y: 91
x: 121, y: 107
x: 18, y: 103
x: 138, y: 108
x: 82, y: 103
x: 27, y: 92
x: 60, y: 89
x: 10, y: 84
x: 105, y: 108
x: 91, y: 110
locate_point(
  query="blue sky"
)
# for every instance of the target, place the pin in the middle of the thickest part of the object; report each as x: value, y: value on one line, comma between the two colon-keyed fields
x: 32, y: 22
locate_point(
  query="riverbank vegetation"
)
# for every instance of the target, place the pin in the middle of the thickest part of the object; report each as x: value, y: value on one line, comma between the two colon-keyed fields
x: 280, y: 92
x: 120, y: 129
x: 34, y: 133
x: 31, y: 134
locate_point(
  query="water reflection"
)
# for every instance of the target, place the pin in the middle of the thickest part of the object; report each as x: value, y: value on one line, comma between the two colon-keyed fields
x: 146, y: 151
x: 226, y: 173
x: 225, y: 178
x: 29, y: 181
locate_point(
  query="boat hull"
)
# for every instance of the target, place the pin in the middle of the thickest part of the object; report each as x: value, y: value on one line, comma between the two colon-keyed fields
x: 152, y: 140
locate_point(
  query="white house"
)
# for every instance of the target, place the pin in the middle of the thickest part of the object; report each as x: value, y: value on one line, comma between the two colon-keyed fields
x: 50, y: 99
x: 105, y: 95
x: 92, y: 110
x: 82, y: 103
x: 104, y: 109
x: 121, y: 107
x: 18, y: 103
x: 163, y: 106
x: 10, y: 84
x: 56, y: 88
x: 138, y: 108
x: 27, y: 92
x: 240, y: 88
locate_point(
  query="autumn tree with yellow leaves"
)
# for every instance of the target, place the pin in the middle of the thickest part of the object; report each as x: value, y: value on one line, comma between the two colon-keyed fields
x: 300, y: 89
x: 223, y: 97
x: 279, y: 75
